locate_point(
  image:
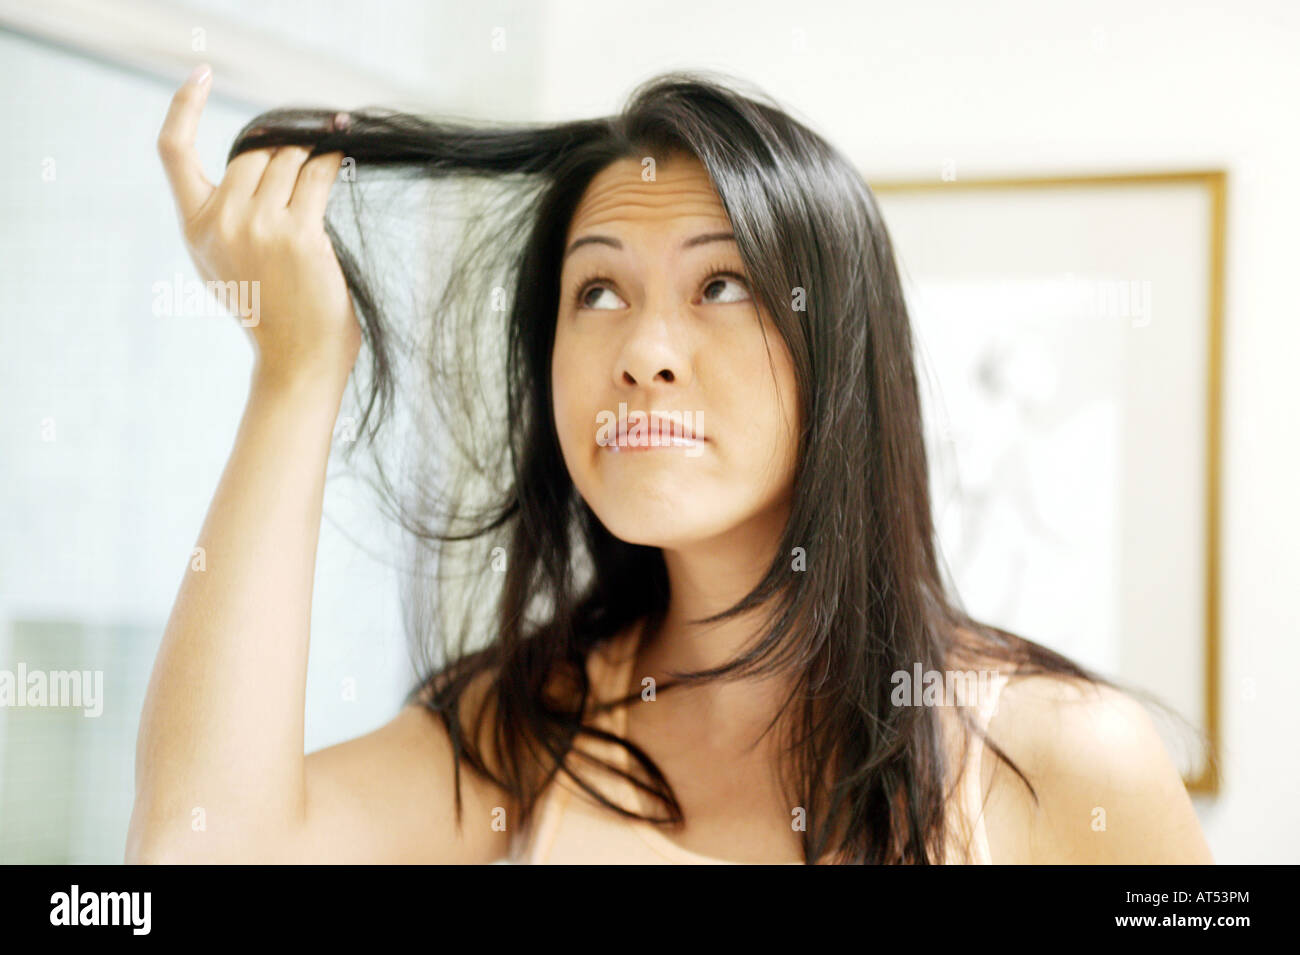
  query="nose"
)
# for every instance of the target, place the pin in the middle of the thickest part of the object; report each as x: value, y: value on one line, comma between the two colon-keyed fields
x: 665, y: 375
x: 651, y: 358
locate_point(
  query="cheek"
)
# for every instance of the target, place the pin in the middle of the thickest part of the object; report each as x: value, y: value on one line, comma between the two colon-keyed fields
x: 768, y: 402
x: 787, y: 412
x: 787, y: 387
x: 567, y: 390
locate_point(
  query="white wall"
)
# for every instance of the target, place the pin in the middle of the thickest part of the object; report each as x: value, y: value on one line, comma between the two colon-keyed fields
x: 98, y: 524
x: 1025, y: 87
x: 117, y: 422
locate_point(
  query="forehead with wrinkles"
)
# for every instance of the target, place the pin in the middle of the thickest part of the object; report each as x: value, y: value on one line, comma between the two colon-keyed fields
x: 618, y: 195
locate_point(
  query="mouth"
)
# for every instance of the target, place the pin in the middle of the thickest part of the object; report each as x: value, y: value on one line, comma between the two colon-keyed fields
x: 662, y: 432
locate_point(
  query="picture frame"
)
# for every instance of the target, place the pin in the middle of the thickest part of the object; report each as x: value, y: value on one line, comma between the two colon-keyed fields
x: 1069, y: 331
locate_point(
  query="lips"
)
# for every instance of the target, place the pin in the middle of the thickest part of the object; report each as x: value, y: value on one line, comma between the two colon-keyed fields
x: 660, y: 431
x: 672, y: 427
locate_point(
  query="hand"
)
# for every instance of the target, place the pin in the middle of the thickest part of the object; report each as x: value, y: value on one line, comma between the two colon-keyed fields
x: 264, y: 225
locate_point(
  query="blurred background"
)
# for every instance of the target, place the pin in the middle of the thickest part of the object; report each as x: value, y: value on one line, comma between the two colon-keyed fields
x: 116, y: 422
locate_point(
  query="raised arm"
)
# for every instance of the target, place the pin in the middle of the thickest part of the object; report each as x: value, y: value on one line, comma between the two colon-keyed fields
x: 220, y: 769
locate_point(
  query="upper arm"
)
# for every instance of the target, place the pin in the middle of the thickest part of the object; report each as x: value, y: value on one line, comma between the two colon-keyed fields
x: 389, y: 796
x: 1108, y: 791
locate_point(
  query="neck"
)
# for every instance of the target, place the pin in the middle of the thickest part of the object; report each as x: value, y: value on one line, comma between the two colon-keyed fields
x: 706, y: 578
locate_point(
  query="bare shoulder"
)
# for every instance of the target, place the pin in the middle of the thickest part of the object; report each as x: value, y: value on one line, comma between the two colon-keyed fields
x: 390, y: 795
x: 1108, y: 792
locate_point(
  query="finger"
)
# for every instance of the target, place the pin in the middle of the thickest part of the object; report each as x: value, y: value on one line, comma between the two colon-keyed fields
x: 315, y: 180
x: 176, y: 143
x: 281, y: 173
x: 244, y: 173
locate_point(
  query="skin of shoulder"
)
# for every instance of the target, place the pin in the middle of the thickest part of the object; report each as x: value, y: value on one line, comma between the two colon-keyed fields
x: 1109, y: 794
x: 389, y: 796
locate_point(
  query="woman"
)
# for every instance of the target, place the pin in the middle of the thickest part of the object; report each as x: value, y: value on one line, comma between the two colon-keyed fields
x: 709, y: 638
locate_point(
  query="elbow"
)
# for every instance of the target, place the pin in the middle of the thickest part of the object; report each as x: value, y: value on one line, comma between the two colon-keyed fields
x: 161, y: 832
x: 148, y: 844
x: 147, y: 848
x: 152, y: 839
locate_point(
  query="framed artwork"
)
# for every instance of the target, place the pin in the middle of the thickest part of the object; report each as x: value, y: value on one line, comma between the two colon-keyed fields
x: 1069, y: 334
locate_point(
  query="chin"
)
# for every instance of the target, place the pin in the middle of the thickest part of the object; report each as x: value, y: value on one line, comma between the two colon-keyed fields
x: 663, y: 523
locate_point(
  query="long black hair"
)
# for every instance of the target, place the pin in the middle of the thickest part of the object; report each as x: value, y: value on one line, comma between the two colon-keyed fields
x: 493, y: 518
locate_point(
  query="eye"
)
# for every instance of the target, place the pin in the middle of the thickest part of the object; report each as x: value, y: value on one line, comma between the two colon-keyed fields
x: 586, y: 290
x: 720, y: 280
x: 589, y: 285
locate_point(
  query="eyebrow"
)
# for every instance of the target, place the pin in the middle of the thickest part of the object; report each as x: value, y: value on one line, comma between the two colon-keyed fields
x: 614, y: 243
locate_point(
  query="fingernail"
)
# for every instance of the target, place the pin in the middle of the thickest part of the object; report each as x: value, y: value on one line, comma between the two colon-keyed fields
x: 200, y: 74
x: 342, y: 120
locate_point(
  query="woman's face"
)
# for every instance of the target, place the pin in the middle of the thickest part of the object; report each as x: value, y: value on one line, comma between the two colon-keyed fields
x: 653, y: 328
